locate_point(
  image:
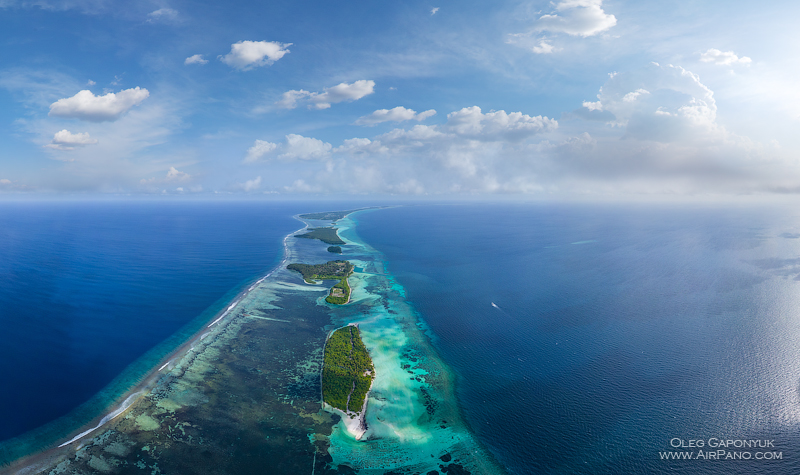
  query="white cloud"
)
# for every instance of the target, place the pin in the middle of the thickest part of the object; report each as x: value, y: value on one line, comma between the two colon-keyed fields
x: 258, y: 150
x: 542, y: 48
x: 470, y: 142
x: 247, y: 55
x: 671, y: 142
x: 398, y: 114
x: 66, y: 140
x: 195, y: 59
x: 577, y: 18
x: 86, y: 106
x: 298, y: 147
x: 250, y: 185
x: 176, y: 175
x: 661, y: 103
x: 90, y: 83
x: 495, y: 126
x: 163, y: 15
x: 472, y: 151
x: 631, y: 96
x: 434, y: 10
x: 289, y: 98
x: 716, y: 56
x: 5, y: 182
x: 357, y: 146
x: 294, y: 147
x: 593, y: 106
x: 330, y: 95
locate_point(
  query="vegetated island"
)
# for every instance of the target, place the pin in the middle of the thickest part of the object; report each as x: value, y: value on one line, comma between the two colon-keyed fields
x: 335, y: 249
x: 326, y: 235
x: 327, y: 215
x: 331, y: 270
x: 347, y: 374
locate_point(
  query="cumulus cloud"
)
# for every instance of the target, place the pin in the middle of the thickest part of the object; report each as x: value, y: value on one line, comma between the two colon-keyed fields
x: 66, y: 140
x: 294, y: 147
x: 195, y: 59
x: 176, y: 175
x: 726, y: 58
x: 250, y: 185
x: 494, y: 126
x: 163, y: 15
x: 289, y: 98
x: 664, y: 138
x: 631, y: 96
x: 359, y: 146
x: 246, y: 55
x: 330, y: 95
x: 473, y: 146
x: 593, y: 106
x: 259, y: 149
x: 398, y: 114
x: 298, y: 147
x: 470, y: 143
x: 577, y: 18
x: 434, y: 10
x: 661, y: 103
x: 86, y: 106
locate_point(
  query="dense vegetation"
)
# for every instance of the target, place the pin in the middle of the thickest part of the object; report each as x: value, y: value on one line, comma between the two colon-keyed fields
x: 326, y: 235
x: 340, y: 293
x: 331, y: 270
x: 328, y: 215
x: 335, y: 249
x: 347, y: 370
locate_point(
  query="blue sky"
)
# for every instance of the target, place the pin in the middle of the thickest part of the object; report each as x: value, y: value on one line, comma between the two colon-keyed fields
x: 565, y: 98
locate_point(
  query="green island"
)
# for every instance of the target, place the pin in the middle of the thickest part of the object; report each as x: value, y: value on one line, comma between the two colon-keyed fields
x: 335, y: 249
x: 347, y: 370
x: 326, y: 235
x: 327, y: 215
x: 331, y: 270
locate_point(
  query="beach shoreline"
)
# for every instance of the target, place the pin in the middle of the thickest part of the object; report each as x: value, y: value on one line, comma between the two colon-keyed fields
x: 38, y: 460
x: 354, y: 425
x: 212, y: 388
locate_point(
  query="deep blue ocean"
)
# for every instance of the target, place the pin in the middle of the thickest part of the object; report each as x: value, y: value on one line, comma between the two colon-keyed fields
x: 88, y: 288
x: 590, y: 339
x: 585, y: 338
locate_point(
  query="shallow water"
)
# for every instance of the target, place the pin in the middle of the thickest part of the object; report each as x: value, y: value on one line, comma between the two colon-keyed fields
x: 245, y: 396
x: 585, y: 338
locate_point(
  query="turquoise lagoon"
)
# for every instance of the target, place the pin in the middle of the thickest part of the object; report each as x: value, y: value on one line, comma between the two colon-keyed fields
x: 242, y: 395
